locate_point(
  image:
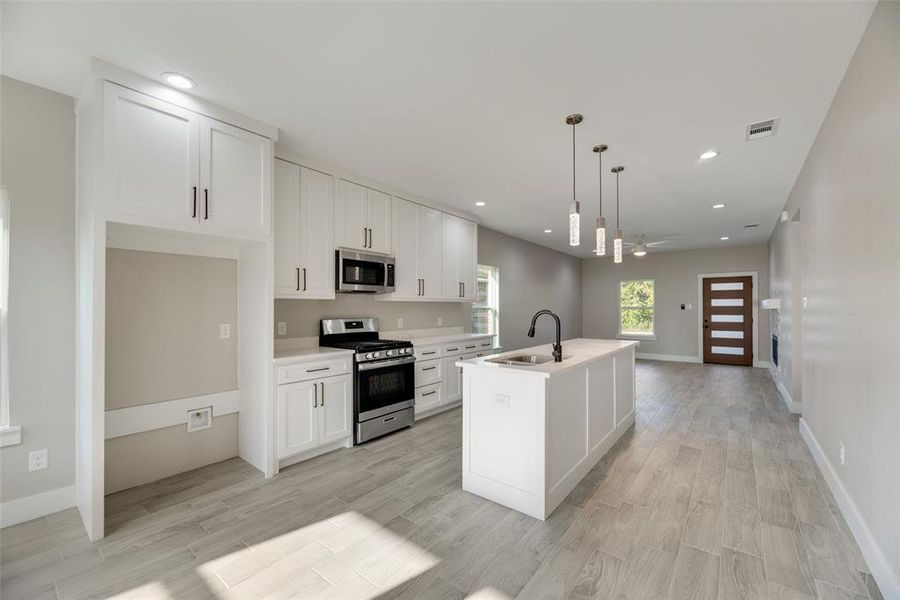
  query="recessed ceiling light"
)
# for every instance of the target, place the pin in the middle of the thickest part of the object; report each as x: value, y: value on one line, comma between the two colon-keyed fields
x: 724, y: 238
x: 548, y: 231
x: 708, y: 155
x: 178, y: 80
x: 479, y: 203
x: 718, y: 205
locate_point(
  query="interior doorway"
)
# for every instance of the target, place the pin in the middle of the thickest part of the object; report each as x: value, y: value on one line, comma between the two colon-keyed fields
x: 728, y: 320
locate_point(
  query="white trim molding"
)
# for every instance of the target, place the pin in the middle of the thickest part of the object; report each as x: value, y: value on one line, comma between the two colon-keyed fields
x: 24, y: 509
x: 792, y: 406
x: 10, y: 435
x: 667, y: 357
x: 146, y: 417
x: 887, y: 578
x: 754, y: 275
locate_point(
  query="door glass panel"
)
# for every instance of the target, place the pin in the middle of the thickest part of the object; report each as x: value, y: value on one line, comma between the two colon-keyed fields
x: 735, y: 335
x: 725, y: 287
x: 727, y: 350
x: 727, y: 301
x: 727, y: 318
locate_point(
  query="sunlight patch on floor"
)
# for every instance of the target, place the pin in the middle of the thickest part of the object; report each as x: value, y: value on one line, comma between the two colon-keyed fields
x: 488, y: 593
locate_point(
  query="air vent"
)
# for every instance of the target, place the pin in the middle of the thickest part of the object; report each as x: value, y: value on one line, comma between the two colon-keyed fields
x: 751, y: 226
x: 762, y: 129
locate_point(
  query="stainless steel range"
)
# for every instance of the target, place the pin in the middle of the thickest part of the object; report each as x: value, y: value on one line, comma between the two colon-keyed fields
x: 383, y: 373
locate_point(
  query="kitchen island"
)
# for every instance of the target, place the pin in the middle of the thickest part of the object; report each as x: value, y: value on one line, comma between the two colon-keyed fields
x: 532, y: 431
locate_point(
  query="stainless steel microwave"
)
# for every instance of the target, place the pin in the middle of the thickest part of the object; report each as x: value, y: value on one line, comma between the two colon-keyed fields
x: 359, y: 272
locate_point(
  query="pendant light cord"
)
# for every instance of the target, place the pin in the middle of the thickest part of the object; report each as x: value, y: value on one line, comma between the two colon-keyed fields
x: 600, y: 180
x: 573, y: 162
x: 617, y: 199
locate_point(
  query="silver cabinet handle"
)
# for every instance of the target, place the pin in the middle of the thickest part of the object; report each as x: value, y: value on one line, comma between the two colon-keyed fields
x: 423, y: 286
x: 452, y: 349
x: 323, y: 393
x: 389, y: 419
x: 205, y: 204
x: 315, y: 395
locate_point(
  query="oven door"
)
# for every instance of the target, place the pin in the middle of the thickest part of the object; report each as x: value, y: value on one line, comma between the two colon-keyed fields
x: 359, y: 272
x: 384, y: 387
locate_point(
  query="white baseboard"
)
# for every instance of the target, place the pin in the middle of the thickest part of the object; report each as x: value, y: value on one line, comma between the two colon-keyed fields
x: 32, y: 507
x: 886, y: 577
x: 761, y: 364
x: 146, y: 417
x: 667, y: 357
x: 794, y: 407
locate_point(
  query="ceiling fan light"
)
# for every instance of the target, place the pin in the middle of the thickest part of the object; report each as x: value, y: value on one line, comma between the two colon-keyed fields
x: 600, y: 250
x: 617, y: 247
x: 640, y: 250
x: 574, y: 223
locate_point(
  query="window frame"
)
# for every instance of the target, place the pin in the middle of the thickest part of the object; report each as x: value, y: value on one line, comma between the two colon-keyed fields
x: 9, y: 434
x: 493, y: 304
x: 634, y: 335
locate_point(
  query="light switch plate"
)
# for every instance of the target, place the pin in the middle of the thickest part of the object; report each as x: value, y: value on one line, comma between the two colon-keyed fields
x: 805, y: 302
x: 399, y: 322
x: 282, y: 328
x: 224, y: 331
x: 37, y: 459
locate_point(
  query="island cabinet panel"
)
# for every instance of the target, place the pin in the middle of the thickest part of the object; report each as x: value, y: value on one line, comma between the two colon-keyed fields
x: 568, y: 435
x: 624, y: 364
x: 601, y: 409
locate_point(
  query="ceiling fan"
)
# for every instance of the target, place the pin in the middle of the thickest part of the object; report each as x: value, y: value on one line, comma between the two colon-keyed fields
x: 639, y: 246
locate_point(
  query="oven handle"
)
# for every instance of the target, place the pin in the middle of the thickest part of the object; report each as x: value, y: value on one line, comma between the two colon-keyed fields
x: 387, y: 363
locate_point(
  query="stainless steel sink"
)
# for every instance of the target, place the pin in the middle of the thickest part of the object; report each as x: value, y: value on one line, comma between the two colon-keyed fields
x: 522, y: 359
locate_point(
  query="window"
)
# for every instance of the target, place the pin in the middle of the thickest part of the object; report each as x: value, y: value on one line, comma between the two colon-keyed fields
x: 8, y: 435
x: 636, y: 308
x: 486, y: 309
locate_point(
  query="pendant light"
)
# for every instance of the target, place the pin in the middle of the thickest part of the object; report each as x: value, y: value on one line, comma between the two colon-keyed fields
x: 617, y: 242
x: 600, y: 250
x: 574, y: 207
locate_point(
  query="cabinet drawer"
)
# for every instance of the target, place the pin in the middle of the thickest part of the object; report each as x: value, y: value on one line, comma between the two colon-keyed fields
x: 452, y: 348
x: 428, y: 397
x: 313, y: 370
x: 487, y: 344
x: 427, y: 352
x: 429, y: 372
x: 470, y: 346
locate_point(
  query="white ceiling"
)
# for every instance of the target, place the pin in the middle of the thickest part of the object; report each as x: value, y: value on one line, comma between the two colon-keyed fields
x: 458, y: 102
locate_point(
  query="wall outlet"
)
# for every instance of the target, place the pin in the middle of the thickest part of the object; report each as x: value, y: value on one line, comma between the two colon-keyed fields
x: 399, y: 322
x: 440, y: 321
x: 805, y: 302
x: 37, y: 459
x: 199, y: 418
x: 843, y: 457
x: 282, y: 328
x: 224, y: 331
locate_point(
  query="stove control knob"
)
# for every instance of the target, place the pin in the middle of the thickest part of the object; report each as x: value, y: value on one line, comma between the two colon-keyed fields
x: 390, y: 352
x: 368, y: 355
x: 407, y: 351
x: 376, y: 355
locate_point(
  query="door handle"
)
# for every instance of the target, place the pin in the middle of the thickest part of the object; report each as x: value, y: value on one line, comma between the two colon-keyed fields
x: 298, y: 279
x: 464, y: 289
x: 429, y: 368
x: 323, y: 393
x: 205, y: 204
x: 315, y: 395
x: 423, y: 286
x: 194, y: 213
x: 304, y: 279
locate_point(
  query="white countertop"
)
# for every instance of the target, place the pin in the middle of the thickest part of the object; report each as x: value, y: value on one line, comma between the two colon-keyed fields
x: 442, y: 339
x: 312, y: 353
x: 576, y: 353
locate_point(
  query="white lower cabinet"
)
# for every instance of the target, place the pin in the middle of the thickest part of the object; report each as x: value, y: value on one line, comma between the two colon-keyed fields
x: 438, y: 379
x: 428, y: 397
x: 452, y: 380
x: 313, y: 413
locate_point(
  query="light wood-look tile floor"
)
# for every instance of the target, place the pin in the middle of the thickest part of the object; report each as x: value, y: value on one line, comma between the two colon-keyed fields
x: 712, y: 495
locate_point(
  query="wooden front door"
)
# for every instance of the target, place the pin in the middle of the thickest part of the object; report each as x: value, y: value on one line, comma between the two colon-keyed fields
x: 728, y: 320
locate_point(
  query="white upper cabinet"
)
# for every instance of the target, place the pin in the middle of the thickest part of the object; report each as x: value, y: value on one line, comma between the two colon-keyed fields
x: 459, y: 252
x: 174, y: 166
x: 235, y: 176
x: 151, y: 155
x: 304, y: 248
x: 362, y: 218
x: 417, y: 249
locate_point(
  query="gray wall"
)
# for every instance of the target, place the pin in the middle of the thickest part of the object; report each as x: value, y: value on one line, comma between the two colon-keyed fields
x: 303, y: 316
x: 784, y: 284
x: 38, y: 167
x: 675, y: 274
x: 848, y: 193
x: 531, y: 278
x: 163, y: 313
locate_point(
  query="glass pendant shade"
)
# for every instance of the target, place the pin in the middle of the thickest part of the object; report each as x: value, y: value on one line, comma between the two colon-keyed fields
x: 617, y: 247
x: 600, y: 250
x: 574, y: 224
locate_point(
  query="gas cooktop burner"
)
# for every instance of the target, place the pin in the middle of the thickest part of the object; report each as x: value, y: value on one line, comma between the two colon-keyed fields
x: 361, y: 336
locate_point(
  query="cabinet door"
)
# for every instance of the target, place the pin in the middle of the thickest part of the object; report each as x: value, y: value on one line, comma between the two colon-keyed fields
x: 452, y: 380
x: 378, y: 220
x: 286, y: 226
x: 335, y: 394
x: 235, y: 175
x: 350, y: 216
x: 151, y: 155
x: 316, y: 234
x: 298, y: 425
x: 429, y: 251
x: 405, y: 234
x: 468, y: 252
x: 450, y: 281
